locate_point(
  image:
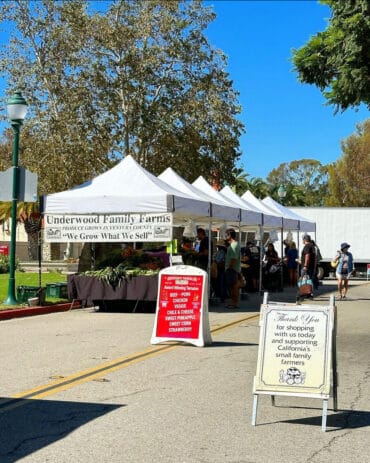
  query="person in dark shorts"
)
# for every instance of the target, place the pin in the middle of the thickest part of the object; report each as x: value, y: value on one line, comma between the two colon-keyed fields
x: 344, y: 269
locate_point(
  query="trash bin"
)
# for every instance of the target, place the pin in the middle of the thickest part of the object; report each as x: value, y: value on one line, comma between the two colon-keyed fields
x: 57, y: 290
x: 27, y: 292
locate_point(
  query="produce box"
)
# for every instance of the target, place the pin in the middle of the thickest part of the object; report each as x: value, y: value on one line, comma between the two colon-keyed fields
x: 57, y: 290
x: 26, y: 292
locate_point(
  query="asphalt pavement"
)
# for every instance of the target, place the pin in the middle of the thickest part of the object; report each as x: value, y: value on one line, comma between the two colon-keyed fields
x: 83, y: 385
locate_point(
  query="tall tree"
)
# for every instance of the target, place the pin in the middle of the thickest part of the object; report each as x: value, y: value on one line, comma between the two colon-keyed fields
x: 337, y: 60
x: 64, y: 140
x: 137, y: 78
x: 349, y: 176
x: 305, y: 181
x: 170, y: 100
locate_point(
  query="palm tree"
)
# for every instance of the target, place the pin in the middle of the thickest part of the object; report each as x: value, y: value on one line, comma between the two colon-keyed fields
x: 28, y: 214
x: 259, y: 187
x: 241, y: 183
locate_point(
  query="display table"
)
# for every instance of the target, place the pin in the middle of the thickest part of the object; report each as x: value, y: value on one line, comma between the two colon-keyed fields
x: 90, y: 290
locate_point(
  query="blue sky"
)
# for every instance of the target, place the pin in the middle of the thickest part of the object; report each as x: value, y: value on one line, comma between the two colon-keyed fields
x: 285, y: 120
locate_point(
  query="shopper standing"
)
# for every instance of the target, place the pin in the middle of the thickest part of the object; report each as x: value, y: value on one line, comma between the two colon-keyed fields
x: 292, y: 264
x: 344, y: 269
x: 203, y: 250
x: 232, y: 268
x: 308, y: 258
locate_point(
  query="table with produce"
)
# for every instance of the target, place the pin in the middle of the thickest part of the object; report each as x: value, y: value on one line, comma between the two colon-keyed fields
x: 132, y: 276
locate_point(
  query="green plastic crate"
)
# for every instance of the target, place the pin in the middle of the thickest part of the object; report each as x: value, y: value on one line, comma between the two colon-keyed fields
x: 26, y: 292
x: 57, y: 290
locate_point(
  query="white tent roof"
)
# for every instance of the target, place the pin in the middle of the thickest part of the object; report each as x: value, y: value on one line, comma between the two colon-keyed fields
x: 270, y: 217
x: 176, y: 181
x: 289, y: 221
x: 127, y: 187
x: 302, y: 223
x: 221, y: 206
x: 219, y: 211
x: 250, y: 214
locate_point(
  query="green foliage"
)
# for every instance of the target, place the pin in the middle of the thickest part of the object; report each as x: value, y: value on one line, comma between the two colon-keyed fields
x: 114, y: 275
x: 256, y: 185
x: 5, y: 264
x: 349, y: 176
x: 259, y: 187
x: 337, y: 60
x: 28, y: 279
x: 110, y: 275
x: 130, y: 258
x: 135, y: 78
x: 305, y: 181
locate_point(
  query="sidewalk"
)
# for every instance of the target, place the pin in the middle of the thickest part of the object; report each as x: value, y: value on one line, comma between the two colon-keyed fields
x: 249, y: 302
x: 253, y: 301
x: 38, y: 310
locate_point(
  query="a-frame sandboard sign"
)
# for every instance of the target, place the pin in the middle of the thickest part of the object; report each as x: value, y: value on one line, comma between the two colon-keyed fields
x: 182, y: 306
x: 297, y: 353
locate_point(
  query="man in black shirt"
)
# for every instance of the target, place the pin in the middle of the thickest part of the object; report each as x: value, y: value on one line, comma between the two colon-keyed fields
x: 308, y: 261
x: 203, y: 248
x: 308, y: 257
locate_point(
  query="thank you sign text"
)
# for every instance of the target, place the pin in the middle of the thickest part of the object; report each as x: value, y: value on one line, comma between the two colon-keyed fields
x: 294, y: 350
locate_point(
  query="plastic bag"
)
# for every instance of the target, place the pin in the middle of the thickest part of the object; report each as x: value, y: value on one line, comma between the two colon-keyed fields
x: 305, y: 285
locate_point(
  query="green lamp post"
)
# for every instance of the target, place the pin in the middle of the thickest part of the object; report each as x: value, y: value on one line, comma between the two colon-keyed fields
x: 281, y: 193
x: 17, y: 109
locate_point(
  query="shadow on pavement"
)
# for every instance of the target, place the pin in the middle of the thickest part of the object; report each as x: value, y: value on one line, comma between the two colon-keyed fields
x: 342, y: 419
x: 29, y: 425
x: 227, y: 343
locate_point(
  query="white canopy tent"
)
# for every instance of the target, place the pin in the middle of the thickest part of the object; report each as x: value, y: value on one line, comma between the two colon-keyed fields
x: 303, y: 224
x: 127, y: 188
x: 219, y: 202
x: 250, y: 214
x: 270, y: 217
x: 220, y: 211
x: 289, y: 222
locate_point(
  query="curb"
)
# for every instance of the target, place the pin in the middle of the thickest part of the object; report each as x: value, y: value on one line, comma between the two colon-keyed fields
x: 38, y: 310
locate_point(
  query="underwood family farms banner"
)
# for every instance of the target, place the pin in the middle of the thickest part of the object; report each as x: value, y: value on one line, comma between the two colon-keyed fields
x: 96, y: 228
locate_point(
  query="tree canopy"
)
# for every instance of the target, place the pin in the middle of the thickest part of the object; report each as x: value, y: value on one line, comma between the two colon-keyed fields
x: 135, y: 77
x: 349, y: 176
x: 305, y: 181
x: 337, y: 60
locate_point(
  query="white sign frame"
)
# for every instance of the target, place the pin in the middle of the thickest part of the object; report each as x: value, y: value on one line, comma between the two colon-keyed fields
x: 293, y: 336
x: 288, y: 340
x: 183, y: 272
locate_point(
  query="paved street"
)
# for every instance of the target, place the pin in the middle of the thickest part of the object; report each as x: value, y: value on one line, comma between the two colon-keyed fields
x: 85, y: 385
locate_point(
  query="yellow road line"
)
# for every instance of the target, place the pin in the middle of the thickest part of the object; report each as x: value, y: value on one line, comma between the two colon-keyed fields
x: 64, y: 383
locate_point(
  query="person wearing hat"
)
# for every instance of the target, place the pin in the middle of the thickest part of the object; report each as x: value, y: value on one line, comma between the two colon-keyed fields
x: 344, y: 269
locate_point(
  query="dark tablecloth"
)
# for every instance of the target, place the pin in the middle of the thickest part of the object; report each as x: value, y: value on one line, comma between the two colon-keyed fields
x: 89, y: 289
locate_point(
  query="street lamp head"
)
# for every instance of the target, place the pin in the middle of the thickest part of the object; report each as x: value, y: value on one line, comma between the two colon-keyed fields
x: 281, y: 192
x: 17, y: 108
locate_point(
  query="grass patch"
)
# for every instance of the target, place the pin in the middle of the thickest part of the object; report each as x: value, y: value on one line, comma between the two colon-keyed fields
x: 29, y: 279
